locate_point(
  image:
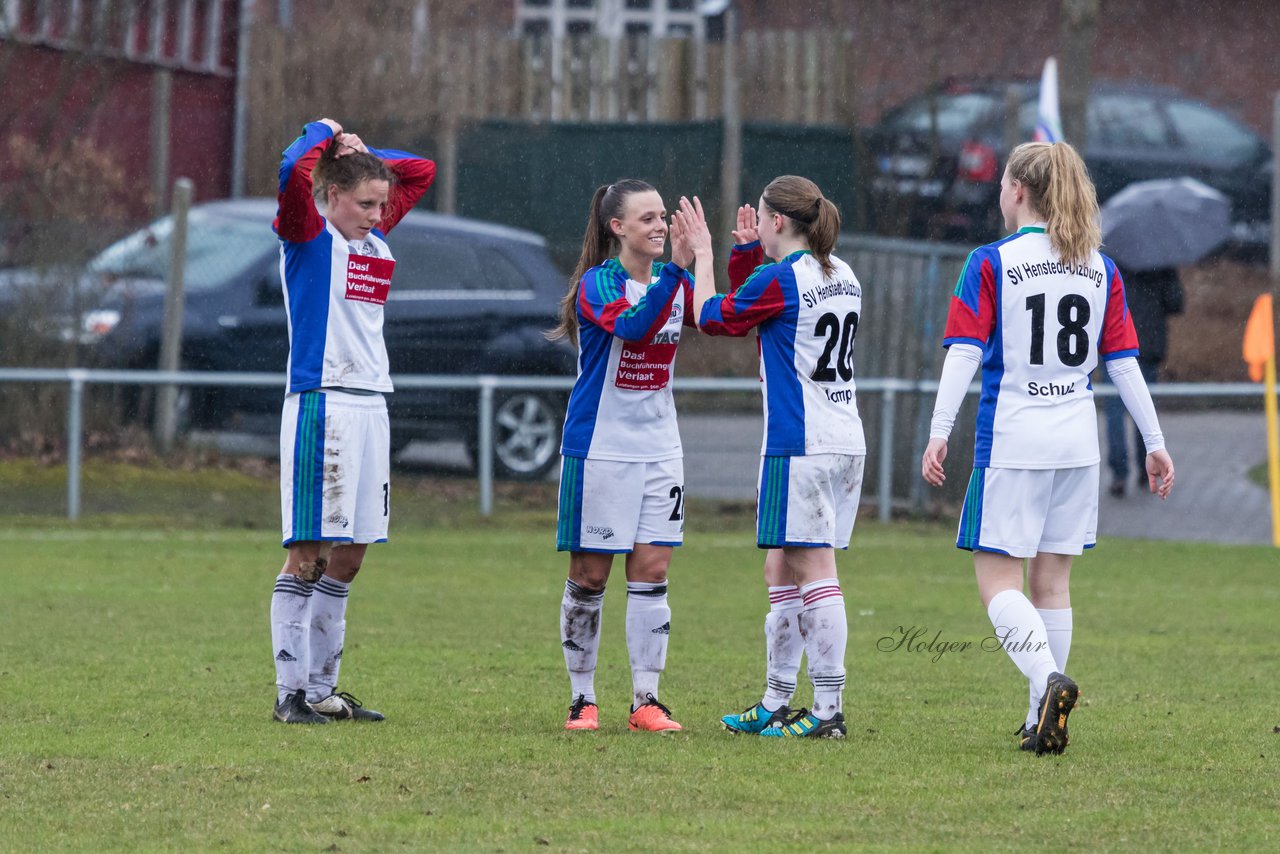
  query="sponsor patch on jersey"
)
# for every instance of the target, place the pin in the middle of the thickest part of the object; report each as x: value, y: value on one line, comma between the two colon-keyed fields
x: 369, y: 279
x: 645, y: 368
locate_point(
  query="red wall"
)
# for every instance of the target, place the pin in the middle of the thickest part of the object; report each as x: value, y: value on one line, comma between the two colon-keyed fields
x: 66, y: 94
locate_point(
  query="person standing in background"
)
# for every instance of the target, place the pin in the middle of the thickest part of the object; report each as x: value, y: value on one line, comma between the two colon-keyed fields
x: 1152, y: 295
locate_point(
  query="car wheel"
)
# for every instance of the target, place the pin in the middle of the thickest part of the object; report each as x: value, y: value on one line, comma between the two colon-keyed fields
x: 526, y: 435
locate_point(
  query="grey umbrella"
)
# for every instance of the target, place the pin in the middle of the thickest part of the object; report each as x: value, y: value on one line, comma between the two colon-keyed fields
x: 1166, y: 222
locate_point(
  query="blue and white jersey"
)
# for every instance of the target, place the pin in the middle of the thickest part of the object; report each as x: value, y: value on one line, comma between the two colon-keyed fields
x: 806, y: 321
x: 621, y: 407
x: 1041, y: 325
x: 335, y: 289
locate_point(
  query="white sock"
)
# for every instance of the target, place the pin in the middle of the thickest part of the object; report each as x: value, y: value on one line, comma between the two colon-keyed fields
x: 580, y: 637
x: 826, y: 633
x: 648, y: 630
x: 1021, y: 634
x: 783, y: 646
x: 1057, y: 625
x: 290, y: 628
x: 328, y: 629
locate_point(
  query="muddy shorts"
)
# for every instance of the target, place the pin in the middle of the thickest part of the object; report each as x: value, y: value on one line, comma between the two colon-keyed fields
x: 335, y: 464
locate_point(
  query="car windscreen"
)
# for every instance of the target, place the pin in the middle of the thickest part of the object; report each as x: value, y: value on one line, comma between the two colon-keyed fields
x: 218, y: 249
x: 1209, y: 135
x: 453, y: 266
x: 956, y: 113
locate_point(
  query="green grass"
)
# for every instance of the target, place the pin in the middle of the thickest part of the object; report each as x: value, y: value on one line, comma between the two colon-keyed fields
x: 135, y: 663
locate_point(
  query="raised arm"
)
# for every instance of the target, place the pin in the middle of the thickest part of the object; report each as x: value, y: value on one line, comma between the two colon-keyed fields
x: 693, y: 240
x: 414, y: 175
x: 602, y: 301
x: 748, y: 252
x: 297, y: 219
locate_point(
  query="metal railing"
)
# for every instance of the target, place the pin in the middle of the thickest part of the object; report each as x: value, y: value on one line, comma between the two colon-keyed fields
x: 486, y: 385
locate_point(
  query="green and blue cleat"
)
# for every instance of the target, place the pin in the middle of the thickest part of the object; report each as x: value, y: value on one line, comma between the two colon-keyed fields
x: 755, y: 719
x: 804, y: 724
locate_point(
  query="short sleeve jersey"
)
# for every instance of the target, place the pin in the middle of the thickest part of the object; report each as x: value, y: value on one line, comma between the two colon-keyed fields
x: 621, y: 407
x: 806, y: 320
x: 335, y: 289
x: 1041, y: 325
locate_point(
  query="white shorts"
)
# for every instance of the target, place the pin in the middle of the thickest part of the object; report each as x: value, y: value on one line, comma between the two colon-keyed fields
x: 1022, y: 512
x: 608, y: 506
x: 335, y: 467
x: 808, y: 500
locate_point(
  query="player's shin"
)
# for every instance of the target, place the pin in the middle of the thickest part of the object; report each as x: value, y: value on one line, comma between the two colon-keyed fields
x: 580, y: 612
x: 648, y: 629
x: 784, y: 646
x: 826, y: 633
x: 290, y: 631
x: 328, y: 633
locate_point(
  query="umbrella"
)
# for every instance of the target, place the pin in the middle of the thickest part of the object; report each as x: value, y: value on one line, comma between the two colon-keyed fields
x: 1167, y: 222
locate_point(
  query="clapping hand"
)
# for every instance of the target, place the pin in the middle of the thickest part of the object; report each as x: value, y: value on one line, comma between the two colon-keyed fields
x: 689, y: 222
x: 748, y: 230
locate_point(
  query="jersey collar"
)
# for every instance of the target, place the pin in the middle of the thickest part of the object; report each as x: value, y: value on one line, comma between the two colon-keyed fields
x: 1036, y: 228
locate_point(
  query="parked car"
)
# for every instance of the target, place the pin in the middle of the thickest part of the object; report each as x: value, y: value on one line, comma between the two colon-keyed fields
x: 938, y: 158
x: 468, y: 298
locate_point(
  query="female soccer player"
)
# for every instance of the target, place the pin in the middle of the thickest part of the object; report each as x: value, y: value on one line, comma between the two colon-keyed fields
x: 1035, y: 310
x: 622, y: 475
x: 806, y: 307
x: 338, y: 199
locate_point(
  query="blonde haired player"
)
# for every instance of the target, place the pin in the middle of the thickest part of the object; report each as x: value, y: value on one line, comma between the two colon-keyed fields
x: 1035, y: 310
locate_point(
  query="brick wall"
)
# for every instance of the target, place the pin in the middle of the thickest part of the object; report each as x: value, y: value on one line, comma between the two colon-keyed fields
x: 1224, y: 53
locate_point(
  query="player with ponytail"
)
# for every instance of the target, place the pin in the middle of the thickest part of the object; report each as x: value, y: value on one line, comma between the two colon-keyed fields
x: 1036, y: 310
x: 622, y: 474
x: 805, y: 307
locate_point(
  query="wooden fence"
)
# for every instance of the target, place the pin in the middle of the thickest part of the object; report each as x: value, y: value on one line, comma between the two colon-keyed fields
x: 468, y: 76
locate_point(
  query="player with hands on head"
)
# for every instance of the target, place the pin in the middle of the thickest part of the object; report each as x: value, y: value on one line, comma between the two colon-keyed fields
x: 338, y: 198
x: 805, y: 308
x: 1035, y: 310
x: 622, y: 469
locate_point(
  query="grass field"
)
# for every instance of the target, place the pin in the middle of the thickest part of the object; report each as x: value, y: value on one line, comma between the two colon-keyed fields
x: 134, y: 660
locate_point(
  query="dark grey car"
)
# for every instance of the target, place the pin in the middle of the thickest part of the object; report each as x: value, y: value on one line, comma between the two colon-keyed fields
x: 938, y: 158
x: 468, y: 298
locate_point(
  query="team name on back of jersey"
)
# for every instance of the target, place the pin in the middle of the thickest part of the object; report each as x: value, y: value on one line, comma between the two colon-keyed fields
x: 827, y: 290
x: 369, y: 278
x: 1019, y: 273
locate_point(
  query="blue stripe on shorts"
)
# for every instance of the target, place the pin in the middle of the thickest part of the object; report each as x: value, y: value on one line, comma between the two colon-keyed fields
x: 771, y: 516
x: 569, y: 523
x: 971, y: 514
x: 308, y: 467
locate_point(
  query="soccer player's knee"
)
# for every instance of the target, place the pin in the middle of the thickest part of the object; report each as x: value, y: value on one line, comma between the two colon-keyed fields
x: 310, y: 571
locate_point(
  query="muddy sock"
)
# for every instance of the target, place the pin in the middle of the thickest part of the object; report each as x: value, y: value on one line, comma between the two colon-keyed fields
x: 290, y: 630
x: 580, y: 612
x: 328, y: 631
x: 783, y: 646
x: 826, y: 633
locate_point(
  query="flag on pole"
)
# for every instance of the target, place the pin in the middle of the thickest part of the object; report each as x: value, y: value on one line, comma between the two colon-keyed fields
x: 1048, y: 119
x: 1260, y: 353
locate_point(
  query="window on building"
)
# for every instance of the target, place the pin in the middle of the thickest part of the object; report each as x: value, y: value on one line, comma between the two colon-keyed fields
x: 612, y: 19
